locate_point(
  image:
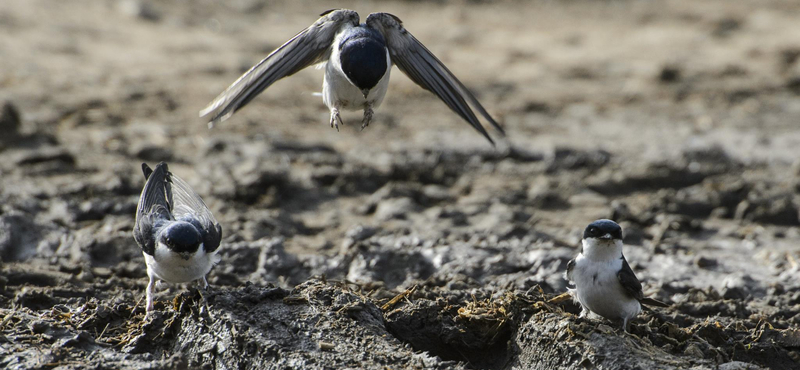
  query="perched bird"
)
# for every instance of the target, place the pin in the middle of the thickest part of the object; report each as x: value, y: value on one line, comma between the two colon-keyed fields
x: 604, y: 282
x: 178, y: 234
x: 358, y: 57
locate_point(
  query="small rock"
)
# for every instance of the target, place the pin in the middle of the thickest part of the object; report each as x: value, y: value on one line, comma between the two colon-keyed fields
x: 669, y: 74
x: 9, y: 121
x: 704, y: 262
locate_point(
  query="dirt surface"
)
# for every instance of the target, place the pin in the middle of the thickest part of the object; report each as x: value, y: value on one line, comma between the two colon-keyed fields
x: 413, y: 244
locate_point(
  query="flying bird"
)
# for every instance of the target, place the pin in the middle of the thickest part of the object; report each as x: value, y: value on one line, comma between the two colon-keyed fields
x: 178, y: 234
x: 604, y: 282
x: 358, y: 59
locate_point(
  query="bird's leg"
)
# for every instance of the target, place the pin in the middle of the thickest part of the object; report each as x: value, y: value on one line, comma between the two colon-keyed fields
x: 368, y: 113
x: 149, y: 293
x: 626, y: 325
x: 204, y: 301
x: 335, y: 119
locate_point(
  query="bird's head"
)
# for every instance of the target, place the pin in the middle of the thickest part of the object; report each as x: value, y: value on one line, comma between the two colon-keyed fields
x: 181, y: 237
x: 601, y: 238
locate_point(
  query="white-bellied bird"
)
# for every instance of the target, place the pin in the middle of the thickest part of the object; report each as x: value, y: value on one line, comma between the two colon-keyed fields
x: 359, y: 58
x: 604, y: 282
x: 178, y: 234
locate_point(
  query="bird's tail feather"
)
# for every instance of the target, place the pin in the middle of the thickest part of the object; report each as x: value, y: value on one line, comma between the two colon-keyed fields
x: 653, y: 302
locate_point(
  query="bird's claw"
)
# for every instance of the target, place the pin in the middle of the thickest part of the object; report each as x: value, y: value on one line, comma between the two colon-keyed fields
x: 367, y: 118
x: 336, y: 119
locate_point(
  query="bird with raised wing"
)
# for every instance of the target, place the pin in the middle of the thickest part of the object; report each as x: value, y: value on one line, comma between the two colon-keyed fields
x: 358, y: 59
x: 178, y: 234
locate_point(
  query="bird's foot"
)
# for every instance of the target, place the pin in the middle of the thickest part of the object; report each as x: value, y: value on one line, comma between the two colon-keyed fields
x: 626, y: 326
x: 368, y: 113
x: 204, y: 309
x: 335, y: 119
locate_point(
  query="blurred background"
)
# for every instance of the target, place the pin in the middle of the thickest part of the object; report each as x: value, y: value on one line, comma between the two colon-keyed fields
x: 680, y: 119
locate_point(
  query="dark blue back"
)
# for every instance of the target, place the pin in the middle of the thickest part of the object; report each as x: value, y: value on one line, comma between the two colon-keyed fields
x: 363, y: 57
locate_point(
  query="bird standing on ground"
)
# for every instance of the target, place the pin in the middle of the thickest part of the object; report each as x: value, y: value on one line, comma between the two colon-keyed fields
x: 358, y: 57
x: 604, y: 282
x: 178, y: 234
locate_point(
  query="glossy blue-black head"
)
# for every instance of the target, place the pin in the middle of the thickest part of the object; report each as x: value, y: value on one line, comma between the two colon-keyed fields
x: 603, y: 229
x: 181, y: 237
x: 363, y: 57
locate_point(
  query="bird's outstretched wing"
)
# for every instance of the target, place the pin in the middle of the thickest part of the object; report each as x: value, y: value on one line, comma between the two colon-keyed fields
x: 188, y: 206
x: 427, y: 71
x: 154, y: 206
x: 310, y: 46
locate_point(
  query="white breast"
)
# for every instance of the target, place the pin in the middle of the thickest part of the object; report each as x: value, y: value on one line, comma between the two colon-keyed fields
x: 170, y: 267
x: 598, y: 289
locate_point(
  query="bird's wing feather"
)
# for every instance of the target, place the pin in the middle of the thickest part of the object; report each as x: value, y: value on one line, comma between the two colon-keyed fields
x: 188, y: 203
x: 427, y: 71
x: 629, y: 281
x: 147, y: 171
x: 154, y: 206
x: 568, y: 273
x: 310, y: 46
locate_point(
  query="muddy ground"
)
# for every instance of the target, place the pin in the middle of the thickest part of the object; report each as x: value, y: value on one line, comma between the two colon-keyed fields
x: 413, y: 244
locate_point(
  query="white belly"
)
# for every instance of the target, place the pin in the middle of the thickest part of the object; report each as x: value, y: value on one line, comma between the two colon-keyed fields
x: 170, y: 267
x: 598, y: 289
x: 338, y: 91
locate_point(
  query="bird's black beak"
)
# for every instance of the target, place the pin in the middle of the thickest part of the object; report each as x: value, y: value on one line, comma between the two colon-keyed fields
x: 606, y: 237
x: 365, y: 92
x: 186, y: 255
